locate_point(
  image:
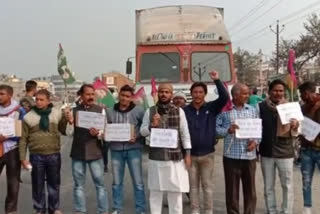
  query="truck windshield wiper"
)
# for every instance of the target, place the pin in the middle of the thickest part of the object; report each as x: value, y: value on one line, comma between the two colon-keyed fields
x: 169, y: 58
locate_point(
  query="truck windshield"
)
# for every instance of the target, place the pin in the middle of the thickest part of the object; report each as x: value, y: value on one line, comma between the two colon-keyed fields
x: 204, y: 62
x: 164, y: 67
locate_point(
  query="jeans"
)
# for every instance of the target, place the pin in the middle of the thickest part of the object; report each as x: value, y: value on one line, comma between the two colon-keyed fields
x: 285, y: 168
x: 79, y: 168
x: 105, y: 150
x: 134, y: 160
x: 309, y: 159
x: 201, y: 172
x: 45, y: 166
x: 12, y: 163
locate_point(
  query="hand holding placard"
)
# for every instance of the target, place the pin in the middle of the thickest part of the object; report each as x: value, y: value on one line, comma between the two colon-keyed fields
x: 119, y: 132
x: 88, y: 120
x: 289, y: 111
x: 249, y: 128
x: 310, y: 129
x: 164, y: 138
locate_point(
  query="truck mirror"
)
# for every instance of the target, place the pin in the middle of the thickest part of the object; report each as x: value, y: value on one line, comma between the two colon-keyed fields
x: 129, y: 67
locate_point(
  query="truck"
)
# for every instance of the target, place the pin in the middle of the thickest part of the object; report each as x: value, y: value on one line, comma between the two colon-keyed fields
x: 181, y: 45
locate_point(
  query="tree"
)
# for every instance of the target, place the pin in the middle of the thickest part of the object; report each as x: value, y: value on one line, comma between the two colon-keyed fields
x: 307, y: 47
x: 247, y: 65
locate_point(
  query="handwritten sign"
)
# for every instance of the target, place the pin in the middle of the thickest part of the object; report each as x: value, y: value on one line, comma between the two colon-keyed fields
x: 249, y: 128
x: 310, y: 129
x: 118, y: 132
x: 164, y: 138
x: 89, y: 120
x: 7, y: 126
x: 289, y: 111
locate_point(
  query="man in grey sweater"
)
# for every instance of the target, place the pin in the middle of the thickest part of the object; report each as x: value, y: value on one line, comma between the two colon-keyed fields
x: 129, y: 152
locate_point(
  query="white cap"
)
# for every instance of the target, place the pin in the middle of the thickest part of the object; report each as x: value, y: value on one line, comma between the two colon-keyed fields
x: 180, y: 94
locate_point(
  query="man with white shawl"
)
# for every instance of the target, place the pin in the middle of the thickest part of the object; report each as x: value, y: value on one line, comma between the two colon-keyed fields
x: 168, y: 167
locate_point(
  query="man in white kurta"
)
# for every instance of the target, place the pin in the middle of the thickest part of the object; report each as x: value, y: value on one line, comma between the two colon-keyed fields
x: 168, y: 167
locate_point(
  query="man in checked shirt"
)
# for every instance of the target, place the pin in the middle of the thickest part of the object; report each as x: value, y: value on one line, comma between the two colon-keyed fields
x: 239, y: 158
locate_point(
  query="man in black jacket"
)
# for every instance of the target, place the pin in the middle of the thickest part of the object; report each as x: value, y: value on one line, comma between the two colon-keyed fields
x: 86, y: 150
x: 276, y: 149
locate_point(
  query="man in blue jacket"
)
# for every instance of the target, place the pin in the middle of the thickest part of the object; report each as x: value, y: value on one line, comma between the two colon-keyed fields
x: 201, y: 118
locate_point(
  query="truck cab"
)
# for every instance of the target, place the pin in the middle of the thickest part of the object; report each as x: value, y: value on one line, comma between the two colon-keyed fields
x: 181, y: 45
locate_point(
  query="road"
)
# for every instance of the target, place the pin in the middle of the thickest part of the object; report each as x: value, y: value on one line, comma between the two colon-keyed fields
x: 25, y: 201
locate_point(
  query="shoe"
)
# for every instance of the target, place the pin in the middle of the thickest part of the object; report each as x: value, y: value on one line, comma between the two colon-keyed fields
x: 116, y: 212
x: 12, y: 213
x: 306, y: 210
x: 57, y: 212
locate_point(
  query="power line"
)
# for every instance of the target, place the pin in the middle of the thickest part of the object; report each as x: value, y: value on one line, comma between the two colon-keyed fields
x: 300, y: 17
x: 293, y: 34
x: 293, y: 14
x: 250, y: 13
x: 257, y: 18
x: 255, y: 34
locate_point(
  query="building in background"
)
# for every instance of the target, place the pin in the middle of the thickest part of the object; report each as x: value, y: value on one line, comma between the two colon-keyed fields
x: 71, y: 88
x: 115, y: 80
x: 16, y: 83
x: 45, y: 83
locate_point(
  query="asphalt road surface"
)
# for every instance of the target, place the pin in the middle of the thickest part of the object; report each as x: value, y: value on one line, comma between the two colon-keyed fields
x: 25, y: 200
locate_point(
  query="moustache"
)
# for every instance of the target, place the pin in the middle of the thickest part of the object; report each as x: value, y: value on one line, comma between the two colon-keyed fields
x: 90, y: 100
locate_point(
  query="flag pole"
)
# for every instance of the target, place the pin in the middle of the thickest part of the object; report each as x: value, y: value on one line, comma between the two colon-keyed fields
x: 292, y: 83
x: 65, y: 92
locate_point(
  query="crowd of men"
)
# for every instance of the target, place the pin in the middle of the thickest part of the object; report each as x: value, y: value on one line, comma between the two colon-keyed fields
x: 186, y: 168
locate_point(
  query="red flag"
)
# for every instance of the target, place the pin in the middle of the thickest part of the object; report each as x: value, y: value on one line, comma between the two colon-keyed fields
x: 99, y: 84
x: 153, y: 87
x: 291, y: 70
x: 154, y: 91
x: 139, y: 93
x: 140, y: 98
x: 228, y: 106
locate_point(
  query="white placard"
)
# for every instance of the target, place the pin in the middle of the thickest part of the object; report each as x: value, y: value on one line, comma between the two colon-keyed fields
x: 87, y: 120
x: 309, y: 129
x: 164, y: 138
x: 249, y: 128
x: 289, y: 111
x: 7, y: 126
x: 117, y: 132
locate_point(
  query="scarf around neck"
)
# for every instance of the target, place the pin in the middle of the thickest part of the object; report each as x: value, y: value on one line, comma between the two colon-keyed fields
x: 44, y: 117
x: 163, y: 108
x: 5, y: 111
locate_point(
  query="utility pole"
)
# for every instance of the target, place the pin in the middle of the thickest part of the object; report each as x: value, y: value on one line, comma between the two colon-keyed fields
x: 277, y: 32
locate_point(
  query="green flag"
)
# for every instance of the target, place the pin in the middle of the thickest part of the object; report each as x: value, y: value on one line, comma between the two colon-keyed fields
x: 64, y: 71
x: 108, y: 100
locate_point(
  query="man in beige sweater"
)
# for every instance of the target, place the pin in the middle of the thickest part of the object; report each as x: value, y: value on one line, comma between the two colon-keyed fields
x: 41, y: 135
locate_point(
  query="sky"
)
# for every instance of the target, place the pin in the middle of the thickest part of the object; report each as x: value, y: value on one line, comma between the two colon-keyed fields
x: 99, y: 35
